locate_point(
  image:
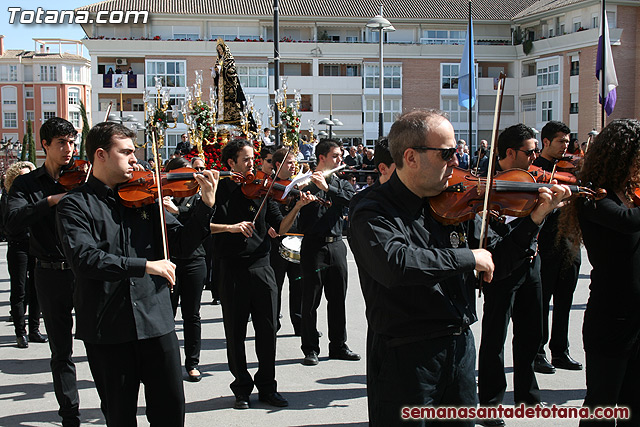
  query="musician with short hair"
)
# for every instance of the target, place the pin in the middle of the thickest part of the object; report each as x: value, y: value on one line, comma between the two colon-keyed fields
x: 247, y: 282
x: 122, y: 298
x: 323, y: 257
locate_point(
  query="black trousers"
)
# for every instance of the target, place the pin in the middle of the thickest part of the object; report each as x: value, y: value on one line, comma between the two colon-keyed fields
x: 190, y: 278
x: 559, y: 279
x: 324, y: 266
x: 55, y: 293
x: 248, y: 290
x: 209, y: 282
x: 281, y: 268
x: 429, y: 372
x: 613, y: 381
x: 517, y: 298
x: 118, y: 369
x: 23, y: 289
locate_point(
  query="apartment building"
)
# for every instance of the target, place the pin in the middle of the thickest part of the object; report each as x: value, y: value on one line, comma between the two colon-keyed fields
x: 328, y: 53
x: 42, y: 83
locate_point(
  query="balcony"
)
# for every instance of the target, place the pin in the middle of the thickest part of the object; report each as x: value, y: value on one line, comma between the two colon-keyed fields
x: 114, y: 83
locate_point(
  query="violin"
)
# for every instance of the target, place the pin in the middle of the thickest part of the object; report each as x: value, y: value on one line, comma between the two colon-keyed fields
x: 258, y: 186
x: 541, y: 175
x: 568, y: 163
x: 75, y: 174
x: 514, y: 193
x: 142, y: 190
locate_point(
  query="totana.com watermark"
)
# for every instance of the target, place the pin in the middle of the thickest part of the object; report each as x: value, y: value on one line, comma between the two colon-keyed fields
x: 41, y: 16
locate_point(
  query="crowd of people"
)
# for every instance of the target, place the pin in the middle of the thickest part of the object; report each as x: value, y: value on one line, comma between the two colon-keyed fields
x: 87, y: 251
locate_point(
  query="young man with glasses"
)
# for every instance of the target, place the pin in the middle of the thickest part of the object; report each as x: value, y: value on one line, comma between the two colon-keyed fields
x: 517, y: 297
x: 33, y: 201
x: 266, y: 154
x: 417, y: 275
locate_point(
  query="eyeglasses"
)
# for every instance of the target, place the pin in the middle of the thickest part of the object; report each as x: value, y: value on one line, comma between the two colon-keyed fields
x: 268, y: 160
x: 446, y: 153
x: 199, y: 169
x: 528, y: 153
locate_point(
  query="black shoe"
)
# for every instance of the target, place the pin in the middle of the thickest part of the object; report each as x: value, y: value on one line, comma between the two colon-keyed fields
x: 566, y: 362
x: 542, y: 365
x: 22, y: 341
x: 242, y: 402
x: 274, y: 399
x: 37, y: 337
x: 344, y: 354
x: 194, y: 375
x: 319, y: 334
x: 215, y: 302
x: 497, y: 422
x: 310, y: 359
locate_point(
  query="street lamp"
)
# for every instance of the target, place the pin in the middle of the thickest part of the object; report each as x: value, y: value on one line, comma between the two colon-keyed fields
x: 380, y: 23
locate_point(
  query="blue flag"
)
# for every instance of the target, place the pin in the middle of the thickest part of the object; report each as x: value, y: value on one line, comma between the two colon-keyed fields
x: 467, y: 72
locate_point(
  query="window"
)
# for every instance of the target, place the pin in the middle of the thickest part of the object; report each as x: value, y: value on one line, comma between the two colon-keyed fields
x: 392, y: 76
x: 30, y: 115
x: 171, y: 73
x: 577, y: 24
x: 48, y: 96
x: 13, y: 73
x: 9, y: 95
x: 550, y: 32
x: 48, y: 73
x: 10, y: 120
x: 351, y: 39
x: 595, y: 21
x: 575, y: 68
x: 46, y: 115
x: 330, y: 70
x: 74, y: 96
x: 392, y: 109
x: 573, y: 108
x: 28, y: 73
x: 74, y: 118
x: 561, y: 30
x: 528, y: 104
x: 72, y: 73
x: 8, y: 73
x: 186, y: 36
x: 450, y: 76
x: 457, y: 114
x: 353, y: 70
x: 252, y: 76
x: 548, y: 76
x: 28, y: 92
x: 547, y: 111
x: 443, y: 37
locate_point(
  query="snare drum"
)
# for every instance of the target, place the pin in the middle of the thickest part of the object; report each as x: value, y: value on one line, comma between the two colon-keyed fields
x: 290, y: 248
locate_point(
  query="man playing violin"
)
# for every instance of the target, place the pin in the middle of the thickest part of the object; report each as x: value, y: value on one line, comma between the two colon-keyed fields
x: 417, y: 275
x: 122, y: 295
x: 559, y: 271
x: 32, y: 204
x: 517, y: 296
x: 246, y: 279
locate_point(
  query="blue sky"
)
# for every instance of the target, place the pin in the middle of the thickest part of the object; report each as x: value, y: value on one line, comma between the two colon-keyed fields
x: 20, y: 36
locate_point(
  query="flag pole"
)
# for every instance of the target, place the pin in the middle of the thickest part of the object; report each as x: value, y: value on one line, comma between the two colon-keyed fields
x: 603, y: 80
x: 471, y: 76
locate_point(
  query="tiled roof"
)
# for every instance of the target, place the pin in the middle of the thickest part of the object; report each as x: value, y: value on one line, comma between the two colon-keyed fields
x: 16, y: 53
x: 544, y: 6
x: 363, y: 9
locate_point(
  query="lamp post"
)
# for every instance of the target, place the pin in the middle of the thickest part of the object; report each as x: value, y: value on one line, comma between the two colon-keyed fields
x: 380, y: 23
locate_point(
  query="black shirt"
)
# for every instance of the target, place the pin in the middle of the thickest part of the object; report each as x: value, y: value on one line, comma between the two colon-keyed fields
x: 233, y: 207
x: 186, y: 207
x: 28, y: 208
x: 416, y: 273
x: 318, y: 220
x: 108, y: 246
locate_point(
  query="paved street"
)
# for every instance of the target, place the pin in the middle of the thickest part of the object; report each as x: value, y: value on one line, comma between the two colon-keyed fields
x: 331, y: 393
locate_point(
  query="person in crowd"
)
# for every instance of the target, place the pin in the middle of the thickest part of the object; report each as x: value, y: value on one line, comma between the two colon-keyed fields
x: 183, y: 147
x: 190, y: 274
x: 266, y: 154
x: 417, y: 275
x: 560, y: 266
x: 122, y: 295
x: 306, y: 149
x: 267, y: 139
x: 351, y: 178
x: 118, y: 70
x: 610, y: 231
x: 323, y: 257
x: 246, y: 279
x: 518, y: 297
x: 32, y: 205
x: 461, y: 155
x: 21, y: 268
x: 353, y: 160
x: 368, y: 160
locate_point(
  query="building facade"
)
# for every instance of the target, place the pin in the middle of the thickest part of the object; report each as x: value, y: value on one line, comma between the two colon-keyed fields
x: 332, y: 58
x: 40, y: 84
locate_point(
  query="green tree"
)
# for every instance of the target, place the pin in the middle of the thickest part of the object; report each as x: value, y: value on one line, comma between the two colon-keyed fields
x: 32, y: 145
x: 85, y: 130
x: 25, y: 141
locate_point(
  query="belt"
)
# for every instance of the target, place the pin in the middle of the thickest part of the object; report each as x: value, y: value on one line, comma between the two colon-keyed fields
x: 57, y: 265
x: 331, y: 239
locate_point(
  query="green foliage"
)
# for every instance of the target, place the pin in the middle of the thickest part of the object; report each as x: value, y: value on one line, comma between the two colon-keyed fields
x: 25, y: 142
x: 32, y: 143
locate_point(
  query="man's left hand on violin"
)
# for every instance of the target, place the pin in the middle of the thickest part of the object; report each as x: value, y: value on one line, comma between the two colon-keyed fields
x: 306, y: 198
x: 208, y: 181
x: 548, y: 200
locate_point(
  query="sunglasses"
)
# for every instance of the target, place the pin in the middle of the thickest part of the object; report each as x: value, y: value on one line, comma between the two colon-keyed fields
x: 268, y: 160
x: 200, y: 169
x: 529, y: 153
x: 446, y: 153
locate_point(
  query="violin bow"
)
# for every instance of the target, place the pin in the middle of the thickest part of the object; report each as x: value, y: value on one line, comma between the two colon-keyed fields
x: 273, y: 181
x: 106, y: 116
x: 492, y: 160
x: 163, y: 219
